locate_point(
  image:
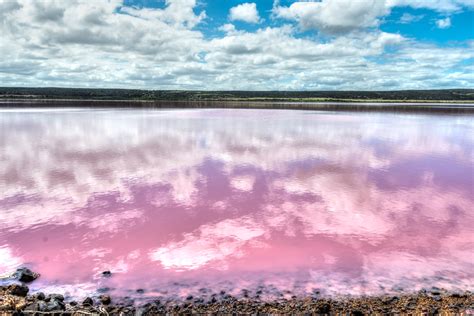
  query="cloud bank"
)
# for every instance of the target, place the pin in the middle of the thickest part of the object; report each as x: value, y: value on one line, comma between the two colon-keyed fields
x: 308, y: 45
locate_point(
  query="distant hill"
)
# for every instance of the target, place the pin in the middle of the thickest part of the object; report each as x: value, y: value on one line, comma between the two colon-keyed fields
x: 135, y: 94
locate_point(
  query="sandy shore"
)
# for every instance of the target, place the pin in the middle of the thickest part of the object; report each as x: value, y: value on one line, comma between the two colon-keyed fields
x: 16, y: 300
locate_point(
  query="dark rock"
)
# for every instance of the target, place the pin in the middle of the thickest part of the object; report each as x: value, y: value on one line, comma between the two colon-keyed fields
x: 107, y: 274
x: 40, y: 296
x: 56, y: 297
x: 55, y: 305
x: 149, y: 309
x: 105, y: 299
x: 39, y: 306
x: 435, y: 291
x: 42, y: 306
x: 190, y: 297
x: 140, y: 291
x: 88, y: 302
x: 323, y: 308
x: 357, y: 312
x: 73, y: 303
x: 113, y: 310
x: 128, y: 302
x: 26, y: 275
x: 17, y: 290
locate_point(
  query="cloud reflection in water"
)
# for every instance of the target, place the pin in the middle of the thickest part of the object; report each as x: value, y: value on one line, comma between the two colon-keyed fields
x: 356, y: 203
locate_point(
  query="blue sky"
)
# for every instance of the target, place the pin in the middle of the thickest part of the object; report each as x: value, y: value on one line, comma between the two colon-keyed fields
x: 422, y: 26
x: 232, y: 44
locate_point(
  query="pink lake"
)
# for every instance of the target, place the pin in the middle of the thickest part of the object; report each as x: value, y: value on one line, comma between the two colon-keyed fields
x: 288, y: 202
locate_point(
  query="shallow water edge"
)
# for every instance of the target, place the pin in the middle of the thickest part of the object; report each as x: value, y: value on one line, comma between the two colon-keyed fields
x: 426, y: 107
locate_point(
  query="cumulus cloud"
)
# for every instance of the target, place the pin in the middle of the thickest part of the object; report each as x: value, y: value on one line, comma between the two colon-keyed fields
x: 443, y: 23
x: 246, y: 12
x: 227, y: 28
x: 109, y: 44
x: 333, y: 16
x: 338, y: 16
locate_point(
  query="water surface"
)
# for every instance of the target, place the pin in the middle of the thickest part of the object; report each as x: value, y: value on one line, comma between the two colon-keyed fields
x: 172, y: 201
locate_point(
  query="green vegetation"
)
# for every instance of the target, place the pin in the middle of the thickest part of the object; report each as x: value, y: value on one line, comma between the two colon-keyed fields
x: 448, y: 95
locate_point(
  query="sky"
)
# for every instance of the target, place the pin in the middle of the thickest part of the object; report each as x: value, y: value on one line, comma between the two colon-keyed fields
x: 238, y: 45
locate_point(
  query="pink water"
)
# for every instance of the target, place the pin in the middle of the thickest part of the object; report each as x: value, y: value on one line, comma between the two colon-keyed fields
x: 172, y: 201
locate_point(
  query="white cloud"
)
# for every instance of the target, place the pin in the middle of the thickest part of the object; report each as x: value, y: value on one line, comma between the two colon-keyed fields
x: 408, y: 18
x: 443, y: 23
x: 246, y: 12
x: 340, y: 16
x: 228, y: 28
x: 334, y: 16
x: 107, y: 44
x: 437, y: 5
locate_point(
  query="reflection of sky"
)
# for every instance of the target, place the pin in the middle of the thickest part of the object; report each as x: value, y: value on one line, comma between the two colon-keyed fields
x: 353, y: 202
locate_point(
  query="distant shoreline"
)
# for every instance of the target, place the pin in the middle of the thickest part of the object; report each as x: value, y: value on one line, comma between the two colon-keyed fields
x: 455, y: 106
x: 258, y: 100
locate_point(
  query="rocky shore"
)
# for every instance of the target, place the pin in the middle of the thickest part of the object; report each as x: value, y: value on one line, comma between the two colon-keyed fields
x: 16, y: 299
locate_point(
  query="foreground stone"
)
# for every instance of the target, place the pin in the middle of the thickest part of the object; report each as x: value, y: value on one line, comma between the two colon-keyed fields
x: 16, y: 302
x: 26, y: 275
